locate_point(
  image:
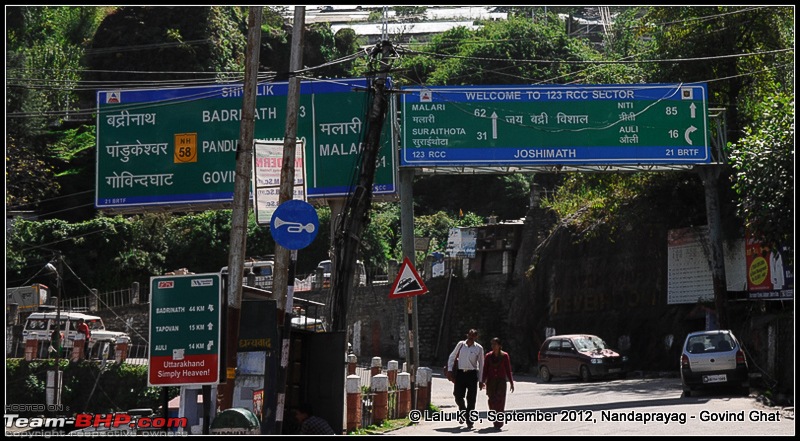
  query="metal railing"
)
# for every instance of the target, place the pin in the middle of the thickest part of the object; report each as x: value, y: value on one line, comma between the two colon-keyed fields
x: 368, y: 396
x: 110, y: 299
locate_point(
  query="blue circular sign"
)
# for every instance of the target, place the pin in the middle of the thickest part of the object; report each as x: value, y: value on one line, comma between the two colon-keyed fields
x: 294, y: 224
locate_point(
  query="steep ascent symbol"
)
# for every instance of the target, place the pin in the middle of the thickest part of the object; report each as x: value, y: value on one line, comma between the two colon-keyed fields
x: 408, y: 282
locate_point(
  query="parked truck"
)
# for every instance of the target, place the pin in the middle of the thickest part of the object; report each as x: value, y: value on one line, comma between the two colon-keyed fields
x: 29, y: 298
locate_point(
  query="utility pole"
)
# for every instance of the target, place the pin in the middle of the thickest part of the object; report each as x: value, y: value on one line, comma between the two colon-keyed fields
x: 56, y: 338
x: 285, y: 259
x: 356, y: 210
x: 241, y: 199
x: 710, y: 174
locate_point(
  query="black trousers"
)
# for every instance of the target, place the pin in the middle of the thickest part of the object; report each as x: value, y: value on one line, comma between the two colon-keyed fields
x: 466, y: 384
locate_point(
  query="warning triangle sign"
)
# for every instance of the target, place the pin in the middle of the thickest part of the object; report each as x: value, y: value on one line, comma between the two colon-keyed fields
x: 408, y: 282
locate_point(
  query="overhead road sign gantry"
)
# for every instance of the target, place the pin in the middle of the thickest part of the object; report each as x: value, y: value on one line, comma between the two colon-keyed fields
x: 517, y: 126
x: 176, y: 148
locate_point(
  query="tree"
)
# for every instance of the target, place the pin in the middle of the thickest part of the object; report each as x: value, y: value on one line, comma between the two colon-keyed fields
x: 764, y: 180
x: 731, y: 47
x: 45, y: 46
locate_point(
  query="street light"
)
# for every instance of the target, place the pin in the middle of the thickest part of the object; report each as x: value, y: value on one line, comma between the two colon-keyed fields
x: 54, y: 378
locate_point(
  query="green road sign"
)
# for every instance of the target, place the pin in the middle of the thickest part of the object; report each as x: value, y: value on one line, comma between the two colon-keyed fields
x: 176, y: 147
x: 184, y: 330
x: 614, y: 124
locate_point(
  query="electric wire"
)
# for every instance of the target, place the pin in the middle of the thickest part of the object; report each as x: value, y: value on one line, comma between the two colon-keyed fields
x: 354, y: 56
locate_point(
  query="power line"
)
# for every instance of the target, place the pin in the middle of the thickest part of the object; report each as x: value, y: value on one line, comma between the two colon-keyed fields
x: 599, y: 62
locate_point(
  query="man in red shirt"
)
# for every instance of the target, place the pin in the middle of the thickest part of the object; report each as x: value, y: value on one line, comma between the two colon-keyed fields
x: 83, y: 328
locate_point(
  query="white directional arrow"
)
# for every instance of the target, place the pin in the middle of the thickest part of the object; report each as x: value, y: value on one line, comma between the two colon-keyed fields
x: 494, y: 125
x: 211, y: 307
x: 210, y: 326
x: 210, y: 343
x: 689, y: 132
x: 693, y: 108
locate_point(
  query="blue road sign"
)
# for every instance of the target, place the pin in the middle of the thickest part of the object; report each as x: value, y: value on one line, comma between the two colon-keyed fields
x: 555, y: 125
x: 294, y: 224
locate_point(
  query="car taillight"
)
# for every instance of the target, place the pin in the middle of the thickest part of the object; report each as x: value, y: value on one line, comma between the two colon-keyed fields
x: 740, y: 357
x: 539, y: 356
x: 684, y: 361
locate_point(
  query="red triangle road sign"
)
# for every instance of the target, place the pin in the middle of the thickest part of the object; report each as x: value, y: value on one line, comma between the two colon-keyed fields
x: 408, y: 282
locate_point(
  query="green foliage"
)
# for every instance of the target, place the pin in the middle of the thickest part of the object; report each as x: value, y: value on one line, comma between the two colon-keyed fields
x: 473, y: 193
x: 320, y: 46
x: 599, y: 203
x: 383, y: 427
x: 44, y: 53
x: 501, y: 52
x: 764, y: 180
x: 712, y: 34
x: 404, y: 11
x: 105, y: 253
x: 87, y: 386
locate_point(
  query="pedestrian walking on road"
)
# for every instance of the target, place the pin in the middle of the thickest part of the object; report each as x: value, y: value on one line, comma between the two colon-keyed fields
x: 496, y: 373
x: 467, y: 362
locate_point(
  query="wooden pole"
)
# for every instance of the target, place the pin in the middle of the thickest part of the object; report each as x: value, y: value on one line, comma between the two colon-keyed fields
x: 241, y: 199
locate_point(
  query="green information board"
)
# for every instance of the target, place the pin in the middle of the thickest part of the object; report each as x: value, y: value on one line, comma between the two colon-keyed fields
x: 185, y: 329
x: 177, y: 147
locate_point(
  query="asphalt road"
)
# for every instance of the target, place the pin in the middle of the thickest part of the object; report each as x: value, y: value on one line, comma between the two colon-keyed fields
x: 601, y: 408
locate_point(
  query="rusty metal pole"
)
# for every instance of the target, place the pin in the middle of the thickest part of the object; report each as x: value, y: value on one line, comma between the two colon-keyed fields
x: 241, y: 199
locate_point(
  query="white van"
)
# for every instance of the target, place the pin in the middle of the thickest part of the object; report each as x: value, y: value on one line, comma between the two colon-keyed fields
x: 260, y: 273
x: 40, y: 326
x: 326, y: 266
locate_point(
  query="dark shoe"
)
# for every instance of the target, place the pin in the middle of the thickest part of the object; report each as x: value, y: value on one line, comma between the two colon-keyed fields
x: 460, y: 417
x: 470, y: 424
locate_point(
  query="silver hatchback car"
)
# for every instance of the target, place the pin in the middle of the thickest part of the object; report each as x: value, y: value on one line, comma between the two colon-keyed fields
x: 713, y: 359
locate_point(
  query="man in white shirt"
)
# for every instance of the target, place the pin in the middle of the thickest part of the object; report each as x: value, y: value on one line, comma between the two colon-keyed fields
x: 469, y: 355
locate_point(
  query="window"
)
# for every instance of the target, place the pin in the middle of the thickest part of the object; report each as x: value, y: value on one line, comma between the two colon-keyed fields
x: 37, y: 324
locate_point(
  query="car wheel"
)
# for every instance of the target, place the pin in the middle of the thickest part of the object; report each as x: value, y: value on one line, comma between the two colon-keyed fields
x: 544, y: 372
x: 585, y: 374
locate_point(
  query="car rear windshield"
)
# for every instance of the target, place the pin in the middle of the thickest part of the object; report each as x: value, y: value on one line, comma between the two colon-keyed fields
x: 699, y: 344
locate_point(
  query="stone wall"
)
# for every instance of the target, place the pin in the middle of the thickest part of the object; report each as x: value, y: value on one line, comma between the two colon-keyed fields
x: 133, y: 319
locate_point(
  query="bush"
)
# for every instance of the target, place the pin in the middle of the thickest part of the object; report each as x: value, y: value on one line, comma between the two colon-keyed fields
x: 87, y: 386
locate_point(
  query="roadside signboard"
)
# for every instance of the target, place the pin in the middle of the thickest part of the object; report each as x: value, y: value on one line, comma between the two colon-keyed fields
x: 294, y: 224
x: 184, y: 330
x: 408, y: 282
x: 555, y: 125
x: 176, y: 147
x: 267, y: 165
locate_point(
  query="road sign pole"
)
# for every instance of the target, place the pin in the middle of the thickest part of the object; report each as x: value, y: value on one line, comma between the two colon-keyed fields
x: 407, y: 240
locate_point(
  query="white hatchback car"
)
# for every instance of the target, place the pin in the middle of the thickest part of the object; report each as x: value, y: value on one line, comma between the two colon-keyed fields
x: 713, y: 359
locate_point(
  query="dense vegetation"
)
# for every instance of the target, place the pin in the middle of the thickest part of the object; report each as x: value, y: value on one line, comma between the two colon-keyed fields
x: 88, y: 386
x: 58, y: 57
